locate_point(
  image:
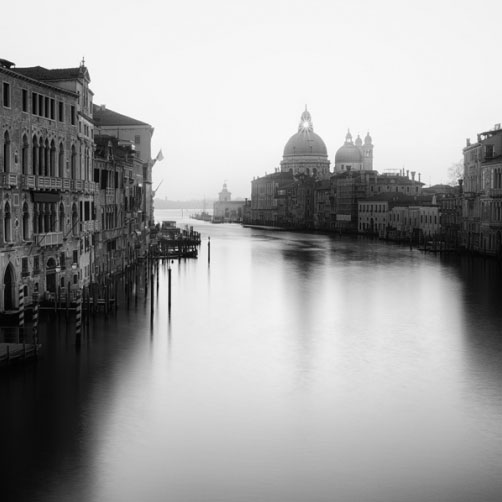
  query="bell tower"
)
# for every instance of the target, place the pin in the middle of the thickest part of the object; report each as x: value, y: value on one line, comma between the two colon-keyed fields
x: 367, y: 149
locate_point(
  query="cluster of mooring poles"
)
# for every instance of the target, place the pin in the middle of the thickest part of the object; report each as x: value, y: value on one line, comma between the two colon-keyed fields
x: 102, y: 295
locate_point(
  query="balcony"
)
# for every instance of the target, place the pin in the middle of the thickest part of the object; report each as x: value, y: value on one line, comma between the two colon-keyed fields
x: 77, y: 185
x: 8, y: 180
x: 28, y: 181
x: 49, y: 239
x: 48, y: 183
x: 495, y: 192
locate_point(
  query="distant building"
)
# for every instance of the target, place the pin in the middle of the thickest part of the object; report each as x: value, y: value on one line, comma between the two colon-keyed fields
x: 227, y: 210
x: 398, y: 216
x: 305, y: 152
x: 356, y: 156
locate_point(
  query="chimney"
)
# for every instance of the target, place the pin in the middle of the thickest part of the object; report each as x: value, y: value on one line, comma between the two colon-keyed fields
x: 468, y: 141
x: 460, y: 185
x: 413, y: 175
x: 408, y: 173
x: 419, y: 175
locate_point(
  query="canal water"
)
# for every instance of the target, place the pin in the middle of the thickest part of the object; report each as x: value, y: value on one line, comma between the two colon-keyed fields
x: 292, y: 367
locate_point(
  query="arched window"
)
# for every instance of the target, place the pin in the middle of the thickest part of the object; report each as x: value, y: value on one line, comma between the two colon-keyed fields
x: 26, y: 222
x: 24, y: 155
x: 61, y: 161
x: 47, y: 152
x: 52, y: 159
x: 61, y: 217
x: 34, y: 155
x: 7, y: 223
x: 73, y: 163
x: 74, y: 220
x: 6, y: 152
x: 41, y: 157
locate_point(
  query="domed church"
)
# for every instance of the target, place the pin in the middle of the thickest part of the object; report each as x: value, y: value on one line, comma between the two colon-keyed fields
x: 354, y: 157
x: 305, y: 152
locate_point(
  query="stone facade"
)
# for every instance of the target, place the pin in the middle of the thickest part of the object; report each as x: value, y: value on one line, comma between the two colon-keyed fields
x: 68, y: 218
x: 482, y: 198
x: 46, y: 161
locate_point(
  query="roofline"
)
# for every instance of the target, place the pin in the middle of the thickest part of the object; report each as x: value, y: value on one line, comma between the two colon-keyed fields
x: 41, y: 83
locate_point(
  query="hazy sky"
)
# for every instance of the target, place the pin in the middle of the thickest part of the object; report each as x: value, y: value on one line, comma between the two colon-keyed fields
x: 224, y: 82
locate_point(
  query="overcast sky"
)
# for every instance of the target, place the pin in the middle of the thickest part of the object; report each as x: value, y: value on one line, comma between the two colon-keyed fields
x: 224, y: 82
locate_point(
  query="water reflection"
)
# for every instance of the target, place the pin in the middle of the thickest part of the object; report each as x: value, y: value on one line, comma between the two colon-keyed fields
x: 296, y: 367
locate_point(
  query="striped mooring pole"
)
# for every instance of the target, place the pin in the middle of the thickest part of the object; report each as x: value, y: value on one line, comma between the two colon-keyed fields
x: 78, y: 319
x: 21, y: 306
x: 35, y: 323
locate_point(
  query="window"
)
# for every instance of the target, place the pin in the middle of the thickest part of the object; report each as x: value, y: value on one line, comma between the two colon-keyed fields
x: 72, y: 115
x: 61, y: 217
x: 60, y: 111
x: 26, y: 222
x: 7, y: 223
x: 34, y: 103
x: 36, y: 264
x: 6, y: 94
x: 488, y: 151
x: 24, y: 155
x: 61, y: 161
x: 24, y: 96
x: 137, y: 139
x: 6, y: 152
x: 53, y: 109
x: 24, y: 267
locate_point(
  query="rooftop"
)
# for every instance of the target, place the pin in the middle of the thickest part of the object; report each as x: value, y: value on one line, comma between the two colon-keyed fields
x: 106, y: 117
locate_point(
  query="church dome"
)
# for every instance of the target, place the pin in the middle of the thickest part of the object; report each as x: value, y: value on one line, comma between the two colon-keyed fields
x: 348, y: 153
x: 305, y: 143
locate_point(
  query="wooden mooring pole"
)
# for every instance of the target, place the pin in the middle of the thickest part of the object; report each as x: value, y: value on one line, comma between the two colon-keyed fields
x: 21, y: 308
x: 35, y: 324
x: 78, y: 321
x: 169, y: 286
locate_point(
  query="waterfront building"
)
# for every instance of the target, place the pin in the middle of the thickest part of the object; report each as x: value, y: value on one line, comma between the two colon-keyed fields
x: 46, y: 188
x: 120, y: 204
x: 324, y: 206
x: 398, y: 216
x: 268, y: 199
x: 225, y: 209
x: 139, y: 134
x: 348, y: 187
x: 482, y: 197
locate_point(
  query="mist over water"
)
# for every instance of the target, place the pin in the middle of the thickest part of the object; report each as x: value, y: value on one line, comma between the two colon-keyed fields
x: 293, y: 367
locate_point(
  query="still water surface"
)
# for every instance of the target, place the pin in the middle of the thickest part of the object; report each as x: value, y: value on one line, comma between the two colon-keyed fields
x: 294, y: 367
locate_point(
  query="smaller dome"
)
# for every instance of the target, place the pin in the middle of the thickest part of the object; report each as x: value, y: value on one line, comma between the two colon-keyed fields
x: 348, y: 154
x: 359, y: 141
x: 367, y: 139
